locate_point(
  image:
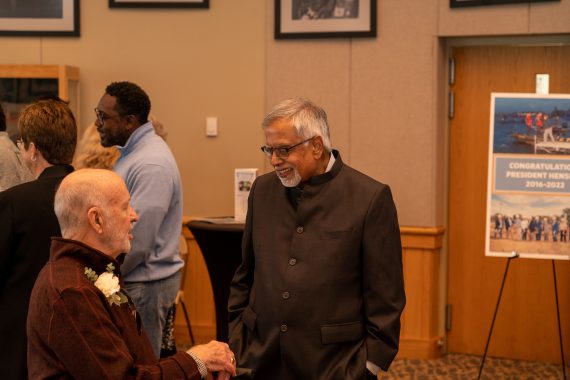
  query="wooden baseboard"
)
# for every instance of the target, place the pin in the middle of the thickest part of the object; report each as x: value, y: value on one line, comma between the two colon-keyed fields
x: 420, y: 348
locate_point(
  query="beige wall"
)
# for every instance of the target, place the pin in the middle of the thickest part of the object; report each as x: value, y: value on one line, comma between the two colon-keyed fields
x: 193, y: 64
x: 386, y: 97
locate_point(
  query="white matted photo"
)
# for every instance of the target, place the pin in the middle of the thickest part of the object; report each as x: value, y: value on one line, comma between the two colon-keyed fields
x: 325, y: 18
x: 39, y: 18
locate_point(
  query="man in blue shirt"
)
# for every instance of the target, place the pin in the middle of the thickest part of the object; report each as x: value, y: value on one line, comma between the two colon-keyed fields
x: 152, y: 268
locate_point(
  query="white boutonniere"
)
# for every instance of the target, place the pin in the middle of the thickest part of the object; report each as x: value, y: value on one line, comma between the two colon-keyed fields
x: 108, y: 284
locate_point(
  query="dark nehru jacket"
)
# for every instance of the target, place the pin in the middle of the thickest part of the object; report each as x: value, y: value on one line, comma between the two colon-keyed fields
x: 74, y: 332
x: 320, y: 289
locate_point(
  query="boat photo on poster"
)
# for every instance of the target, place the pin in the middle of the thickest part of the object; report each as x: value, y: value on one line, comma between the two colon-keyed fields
x: 528, y: 185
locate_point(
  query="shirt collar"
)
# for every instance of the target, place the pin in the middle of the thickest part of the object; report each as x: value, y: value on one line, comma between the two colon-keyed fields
x: 136, y: 136
x: 331, y: 163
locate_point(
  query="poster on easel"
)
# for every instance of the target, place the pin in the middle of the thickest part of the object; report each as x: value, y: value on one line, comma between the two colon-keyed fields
x: 528, y: 183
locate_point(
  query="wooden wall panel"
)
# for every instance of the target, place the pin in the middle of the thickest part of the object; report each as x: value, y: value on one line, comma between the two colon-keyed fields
x: 198, y: 296
x: 420, y: 337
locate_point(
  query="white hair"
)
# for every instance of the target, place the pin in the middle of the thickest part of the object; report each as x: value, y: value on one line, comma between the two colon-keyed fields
x: 308, y: 119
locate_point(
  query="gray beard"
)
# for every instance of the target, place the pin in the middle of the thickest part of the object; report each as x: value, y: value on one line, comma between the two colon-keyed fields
x: 291, y: 182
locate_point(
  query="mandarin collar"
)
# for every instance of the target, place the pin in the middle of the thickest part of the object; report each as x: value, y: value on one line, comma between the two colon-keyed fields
x: 327, y: 176
x: 88, y: 256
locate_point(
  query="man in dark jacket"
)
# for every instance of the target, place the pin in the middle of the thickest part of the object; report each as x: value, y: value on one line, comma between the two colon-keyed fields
x: 320, y: 291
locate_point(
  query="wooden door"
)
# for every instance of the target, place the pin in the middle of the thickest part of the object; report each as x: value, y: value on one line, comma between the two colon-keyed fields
x: 526, y: 325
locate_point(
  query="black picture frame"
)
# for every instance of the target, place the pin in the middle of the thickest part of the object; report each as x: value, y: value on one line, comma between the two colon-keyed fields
x: 44, y: 19
x: 477, y: 3
x: 295, y: 20
x: 159, y: 4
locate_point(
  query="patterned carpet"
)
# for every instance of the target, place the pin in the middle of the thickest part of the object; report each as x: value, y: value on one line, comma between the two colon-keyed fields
x: 457, y: 366
x: 463, y: 367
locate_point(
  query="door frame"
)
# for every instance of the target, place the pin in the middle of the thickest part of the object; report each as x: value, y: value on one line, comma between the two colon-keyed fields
x: 447, y: 44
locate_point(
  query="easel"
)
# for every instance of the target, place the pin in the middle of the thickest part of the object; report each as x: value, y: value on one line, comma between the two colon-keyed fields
x: 514, y: 256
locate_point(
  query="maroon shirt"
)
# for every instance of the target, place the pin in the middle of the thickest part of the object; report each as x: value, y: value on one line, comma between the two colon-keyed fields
x: 74, y: 332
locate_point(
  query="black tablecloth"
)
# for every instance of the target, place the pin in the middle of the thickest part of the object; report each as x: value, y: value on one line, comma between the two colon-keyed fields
x: 221, y: 247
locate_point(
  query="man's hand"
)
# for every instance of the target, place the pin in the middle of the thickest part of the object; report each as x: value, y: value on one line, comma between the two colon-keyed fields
x: 217, y: 357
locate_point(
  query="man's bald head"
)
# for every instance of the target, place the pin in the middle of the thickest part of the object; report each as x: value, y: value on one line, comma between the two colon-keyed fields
x: 88, y: 205
x: 78, y: 192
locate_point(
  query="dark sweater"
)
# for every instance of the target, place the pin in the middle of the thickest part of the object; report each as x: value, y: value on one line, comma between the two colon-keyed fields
x: 74, y: 332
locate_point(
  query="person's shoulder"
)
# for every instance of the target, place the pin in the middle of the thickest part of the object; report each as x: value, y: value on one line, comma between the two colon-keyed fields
x: 7, y: 152
x: 267, y: 179
x: 21, y: 190
x: 152, y: 150
x: 361, y: 179
x: 68, y: 273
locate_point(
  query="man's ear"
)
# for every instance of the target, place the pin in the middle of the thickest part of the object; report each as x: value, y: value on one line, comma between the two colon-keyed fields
x: 132, y: 122
x: 318, y: 146
x: 95, y: 218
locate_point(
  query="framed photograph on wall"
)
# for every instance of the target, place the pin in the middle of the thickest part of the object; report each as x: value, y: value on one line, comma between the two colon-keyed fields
x: 159, y: 4
x: 325, y: 18
x: 476, y: 3
x: 39, y: 18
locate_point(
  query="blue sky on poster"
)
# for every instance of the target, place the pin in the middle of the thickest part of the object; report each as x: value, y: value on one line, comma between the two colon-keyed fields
x: 529, y: 205
x: 509, y: 105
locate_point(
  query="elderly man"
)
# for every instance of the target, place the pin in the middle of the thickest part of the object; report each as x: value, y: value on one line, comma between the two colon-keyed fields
x: 81, y: 323
x: 320, y: 289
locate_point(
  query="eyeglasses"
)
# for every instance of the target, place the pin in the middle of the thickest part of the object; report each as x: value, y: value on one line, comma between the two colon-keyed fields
x: 102, y: 116
x: 19, y: 143
x: 282, y: 151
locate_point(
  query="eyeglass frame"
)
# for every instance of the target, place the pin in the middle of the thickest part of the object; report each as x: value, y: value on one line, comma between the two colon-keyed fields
x: 282, y: 151
x: 20, y: 143
x: 102, y: 116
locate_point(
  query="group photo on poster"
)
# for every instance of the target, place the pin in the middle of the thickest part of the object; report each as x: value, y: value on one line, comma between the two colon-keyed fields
x: 528, y: 197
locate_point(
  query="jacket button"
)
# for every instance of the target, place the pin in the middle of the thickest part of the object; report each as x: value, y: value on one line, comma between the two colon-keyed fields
x: 292, y: 261
x: 283, y: 328
x: 285, y: 295
x: 300, y: 229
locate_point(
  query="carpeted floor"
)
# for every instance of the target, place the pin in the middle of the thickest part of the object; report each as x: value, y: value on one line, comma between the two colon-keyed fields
x: 464, y: 367
x: 460, y: 367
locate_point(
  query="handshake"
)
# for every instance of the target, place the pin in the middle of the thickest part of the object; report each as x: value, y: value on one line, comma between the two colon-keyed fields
x: 214, y: 357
